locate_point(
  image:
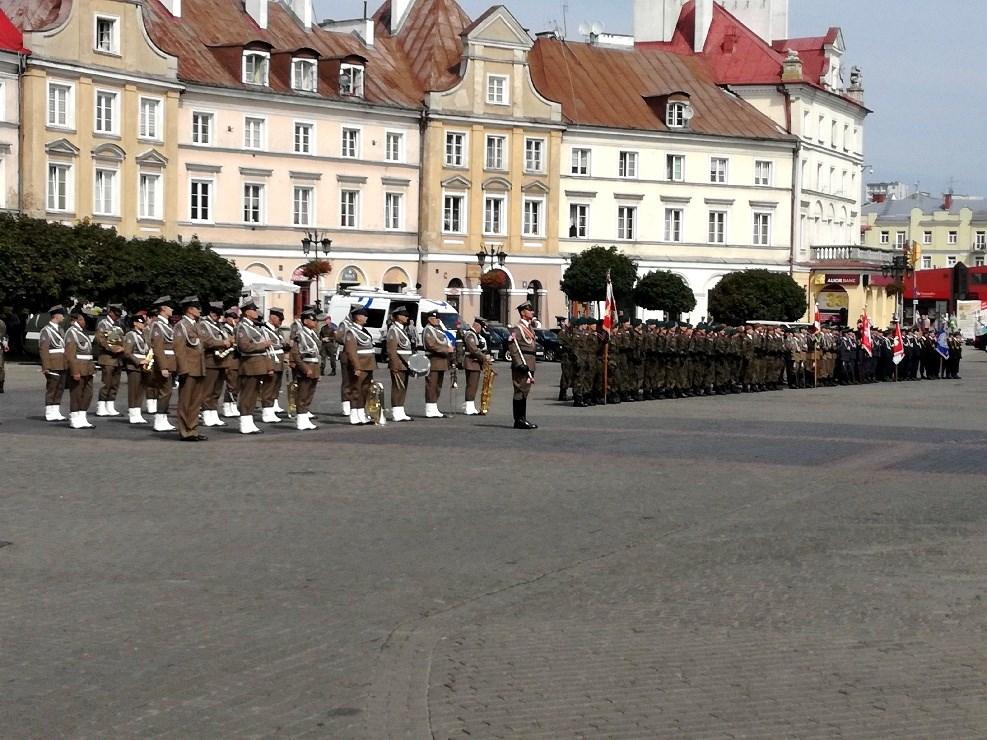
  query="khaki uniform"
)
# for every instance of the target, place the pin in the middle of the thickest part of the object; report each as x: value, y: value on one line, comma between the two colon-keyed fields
x: 163, y: 346
x: 474, y: 360
x: 306, y: 359
x: 439, y: 351
x: 79, y: 362
x: 523, y: 365
x: 214, y: 341
x: 109, y: 361
x: 134, y: 355
x: 358, y: 349
x: 255, y: 364
x: 271, y: 386
x: 191, y: 364
x: 231, y: 368
x: 347, y: 375
x: 399, y: 349
x: 51, y: 345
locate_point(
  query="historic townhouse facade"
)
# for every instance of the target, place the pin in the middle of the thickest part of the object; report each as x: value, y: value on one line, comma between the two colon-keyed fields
x: 99, y: 104
x: 659, y: 161
x: 12, y: 57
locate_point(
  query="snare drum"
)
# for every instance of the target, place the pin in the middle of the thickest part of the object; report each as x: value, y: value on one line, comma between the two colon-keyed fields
x: 419, y: 365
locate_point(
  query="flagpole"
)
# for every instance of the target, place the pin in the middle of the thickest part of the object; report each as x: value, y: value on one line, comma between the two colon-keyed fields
x: 606, y: 362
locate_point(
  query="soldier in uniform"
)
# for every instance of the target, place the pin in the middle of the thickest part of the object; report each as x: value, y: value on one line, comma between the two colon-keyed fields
x: 567, y: 360
x: 271, y: 386
x: 306, y: 359
x: 440, y: 353
x: 163, y: 346
x: 4, y: 349
x: 399, y: 349
x: 51, y: 345
x: 256, y: 364
x: 109, y: 360
x: 522, y: 352
x: 360, y: 363
x: 475, y: 359
x: 347, y: 375
x: 134, y: 362
x: 150, y: 389
x: 231, y: 366
x: 327, y: 335
x: 190, y: 364
x: 80, y: 369
x: 217, y: 345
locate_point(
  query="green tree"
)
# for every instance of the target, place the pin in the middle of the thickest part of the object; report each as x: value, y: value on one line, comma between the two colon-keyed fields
x: 40, y: 263
x: 586, y: 277
x: 757, y: 295
x: 664, y: 291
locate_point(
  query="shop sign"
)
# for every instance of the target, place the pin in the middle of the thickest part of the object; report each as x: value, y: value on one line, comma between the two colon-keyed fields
x: 843, y: 278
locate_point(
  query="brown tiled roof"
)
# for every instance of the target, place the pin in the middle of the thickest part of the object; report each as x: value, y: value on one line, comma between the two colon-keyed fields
x: 36, y: 15
x: 431, y: 38
x: 206, y: 25
x: 608, y: 87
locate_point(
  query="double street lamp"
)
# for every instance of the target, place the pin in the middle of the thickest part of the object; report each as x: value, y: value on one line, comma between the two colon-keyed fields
x: 492, y: 255
x: 897, y: 269
x: 313, y: 241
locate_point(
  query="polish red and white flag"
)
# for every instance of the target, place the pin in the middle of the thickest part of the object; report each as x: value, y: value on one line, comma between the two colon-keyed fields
x: 610, y: 308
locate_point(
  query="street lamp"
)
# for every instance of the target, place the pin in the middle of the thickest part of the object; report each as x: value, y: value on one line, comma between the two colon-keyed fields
x: 491, y: 254
x: 898, y: 268
x: 313, y: 240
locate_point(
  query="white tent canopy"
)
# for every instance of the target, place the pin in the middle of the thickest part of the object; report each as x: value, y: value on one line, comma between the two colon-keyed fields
x: 254, y: 282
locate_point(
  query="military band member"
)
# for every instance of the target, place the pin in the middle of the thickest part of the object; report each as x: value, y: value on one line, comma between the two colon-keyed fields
x: 475, y: 359
x: 256, y: 364
x: 4, y: 349
x: 217, y: 345
x: 344, y: 386
x: 80, y: 368
x: 163, y: 373
x: 521, y: 348
x: 399, y: 349
x: 329, y: 346
x: 150, y: 388
x: 135, y: 362
x: 306, y: 358
x: 231, y: 365
x: 440, y: 353
x: 190, y: 361
x: 109, y: 360
x: 271, y: 387
x: 358, y: 348
x: 51, y: 345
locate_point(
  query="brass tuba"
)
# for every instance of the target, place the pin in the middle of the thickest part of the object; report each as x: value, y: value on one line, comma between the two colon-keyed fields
x: 292, y: 398
x: 486, y: 390
x: 114, y: 337
x: 375, y: 403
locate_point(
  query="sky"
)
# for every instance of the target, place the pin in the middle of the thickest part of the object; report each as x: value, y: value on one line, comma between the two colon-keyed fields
x: 925, y: 76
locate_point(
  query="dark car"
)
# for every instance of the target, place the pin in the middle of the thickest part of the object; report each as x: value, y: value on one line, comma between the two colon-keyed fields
x: 980, y: 342
x: 500, y: 337
x: 549, y: 340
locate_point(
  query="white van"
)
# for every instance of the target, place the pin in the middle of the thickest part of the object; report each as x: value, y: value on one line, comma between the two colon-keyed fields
x: 380, y: 303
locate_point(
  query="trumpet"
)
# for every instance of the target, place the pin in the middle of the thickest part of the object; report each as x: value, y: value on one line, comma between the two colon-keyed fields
x: 486, y: 390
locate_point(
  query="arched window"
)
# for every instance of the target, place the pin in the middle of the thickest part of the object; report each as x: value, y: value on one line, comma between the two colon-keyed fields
x: 350, y: 276
x: 535, y: 293
x: 395, y: 280
x: 454, y: 291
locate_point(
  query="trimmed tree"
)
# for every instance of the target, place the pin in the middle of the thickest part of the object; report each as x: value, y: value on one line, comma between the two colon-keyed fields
x: 40, y: 263
x: 662, y: 290
x: 585, y: 279
x: 752, y: 295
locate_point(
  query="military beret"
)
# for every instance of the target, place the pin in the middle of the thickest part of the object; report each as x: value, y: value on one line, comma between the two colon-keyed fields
x: 138, y: 318
x: 636, y: 322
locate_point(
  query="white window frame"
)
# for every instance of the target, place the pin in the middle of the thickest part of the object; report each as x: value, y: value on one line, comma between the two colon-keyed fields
x: 309, y: 205
x: 581, y: 158
x: 951, y: 260
x: 761, y: 237
x: 114, y: 192
x: 248, y: 143
x: 355, y: 74
x: 356, y: 141
x: 451, y: 157
x: 309, y: 147
x: 210, y: 184
x: 674, y: 225
x: 197, y: 137
x: 670, y: 170
x: 114, y: 95
x: 536, y: 206
x: 534, y: 145
x: 298, y: 67
x: 926, y: 237
x: 389, y: 147
x: 626, y: 223
x: 348, y: 220
x: 719, y: 170
x: 926, y: 261
x: 463, y: 212
x: 821, y: 130
x: 393, y: 211
x: 574, y: 217
x: 764, y: 172
x: 627, y: 164
x: 158, y: 107
x: 885, y: 237
x: 114, y: 34
x: 69, y: 90
x: 500, y: 164
x: 899, y: 239
x: 261, y: 203
x: 978, y: 260
x: 980, y: 240
x: 504, y: 90
x: 952, y: 237
x: 716, y: 232
x: 157, y: 203
x: 675, y: 114
x: 488, y: 214
x: 68, y: 181
x: 266, y: 57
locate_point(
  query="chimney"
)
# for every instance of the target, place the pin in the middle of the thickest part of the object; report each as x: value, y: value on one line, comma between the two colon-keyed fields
x: 257, y: 9
x: 304, y: 12
x: 855, y: 90
x: 174, y: 7
x: 655, y: 20
x: 791, y: 68
x: 947, y: 200
x: 704, y: 19
x: 399, y: 9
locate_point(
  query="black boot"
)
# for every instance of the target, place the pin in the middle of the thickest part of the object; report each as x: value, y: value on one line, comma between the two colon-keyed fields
x: 519, y: 421
x: 524, y: 415
x: 562, y: 394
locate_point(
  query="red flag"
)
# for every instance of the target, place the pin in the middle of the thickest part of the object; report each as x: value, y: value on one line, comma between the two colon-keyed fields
x: 610, y: 309
x: 817, y: 320
x: 865, y: 339
x: 898, y: 348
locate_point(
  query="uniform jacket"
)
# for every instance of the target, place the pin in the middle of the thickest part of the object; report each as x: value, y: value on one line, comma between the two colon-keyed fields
x: 51, y: 344
x: 524, y: 335
x: 189, y: 349
x: 476, y: 350
x: 306, y: 352
x: 163, y: 344
x: 358, y: 347
x: 213, y: 340
x: 134, y: 350
x: 437, y: 347
x: 79, y: 352
x: 105, y: 356
x: 277, y: 346
x: 399, y: 348
x: 251, y: 343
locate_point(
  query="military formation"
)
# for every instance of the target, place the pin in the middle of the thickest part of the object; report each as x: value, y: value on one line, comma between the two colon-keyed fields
x: 644, y: 361
x: 208, y: 357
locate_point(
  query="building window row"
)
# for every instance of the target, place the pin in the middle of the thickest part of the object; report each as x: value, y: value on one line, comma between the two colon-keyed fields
x: 106, y: 191
x: 627, y: 222
x: 495, y: 215
x: 495, y: 152
x: 627, y: 167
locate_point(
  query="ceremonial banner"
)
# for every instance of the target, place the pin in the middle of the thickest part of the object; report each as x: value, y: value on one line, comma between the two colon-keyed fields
x: 898, y: 348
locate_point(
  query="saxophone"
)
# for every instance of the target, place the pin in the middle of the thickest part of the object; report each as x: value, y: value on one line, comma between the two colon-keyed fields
x: 486, y: 390
x: 375, y: 403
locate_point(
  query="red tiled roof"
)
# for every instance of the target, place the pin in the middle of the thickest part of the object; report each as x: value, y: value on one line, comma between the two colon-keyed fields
x: 431, y: 38
x: 11, y: 38
x: 600, y: 86
x: 36, y: 15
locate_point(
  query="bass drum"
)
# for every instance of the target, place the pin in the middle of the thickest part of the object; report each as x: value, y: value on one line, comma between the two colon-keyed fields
x: 419, y: 365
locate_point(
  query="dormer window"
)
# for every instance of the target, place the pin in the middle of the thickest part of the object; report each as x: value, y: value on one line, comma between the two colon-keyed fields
x: 303, y: 75
x: 107, y: 35
x: 351, y: 80
x: 675, y: 115
x: 256, y: 66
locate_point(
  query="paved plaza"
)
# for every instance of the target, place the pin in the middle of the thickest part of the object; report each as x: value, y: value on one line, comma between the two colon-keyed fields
x: 796, y: 564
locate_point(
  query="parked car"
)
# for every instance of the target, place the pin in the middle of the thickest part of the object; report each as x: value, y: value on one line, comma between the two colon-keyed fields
x: 980, y: 342
x: 549, y: 340
x: 500, y: 336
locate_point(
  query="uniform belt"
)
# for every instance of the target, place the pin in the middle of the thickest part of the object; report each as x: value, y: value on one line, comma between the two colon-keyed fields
x: 169, y: 351
x: 83, y: 357
x: 279, y: 351
x: 253, y: 354
x: 364, y: 351
x: 57, y: 351
x: 404, y: 351
x: 311, y: 359
x: 140, y: 357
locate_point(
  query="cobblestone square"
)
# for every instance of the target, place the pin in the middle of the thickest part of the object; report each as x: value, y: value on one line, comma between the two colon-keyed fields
x: 794, y: 564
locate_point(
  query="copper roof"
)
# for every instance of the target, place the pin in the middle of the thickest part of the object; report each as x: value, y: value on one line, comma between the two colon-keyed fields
x: 611, y: 88
x: 36, y: 15
x: 10, y: 36
x: 431, y: 38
